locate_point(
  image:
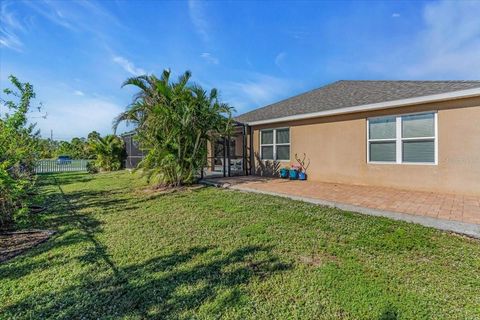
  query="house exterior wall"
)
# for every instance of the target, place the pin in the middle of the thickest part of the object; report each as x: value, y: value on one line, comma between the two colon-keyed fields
x: 337, y: 148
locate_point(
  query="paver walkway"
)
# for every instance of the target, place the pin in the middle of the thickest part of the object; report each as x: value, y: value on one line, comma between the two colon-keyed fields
x: 452, y: 207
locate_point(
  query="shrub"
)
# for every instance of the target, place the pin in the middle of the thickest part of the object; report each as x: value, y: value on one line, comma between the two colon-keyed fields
x: 174, y: 122
x: 18, y: 152
x: 91, y: 167
x: 108, y: 152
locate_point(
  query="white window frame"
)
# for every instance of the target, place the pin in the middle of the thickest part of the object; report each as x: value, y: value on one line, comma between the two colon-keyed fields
x: 275, y: 144
x: 399, y: 139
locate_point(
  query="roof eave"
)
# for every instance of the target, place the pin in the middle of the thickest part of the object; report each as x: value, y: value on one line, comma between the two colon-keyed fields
x: 469, y: 93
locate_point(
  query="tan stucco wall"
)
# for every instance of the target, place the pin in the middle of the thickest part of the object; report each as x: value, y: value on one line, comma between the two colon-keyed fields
x: 338, y: 150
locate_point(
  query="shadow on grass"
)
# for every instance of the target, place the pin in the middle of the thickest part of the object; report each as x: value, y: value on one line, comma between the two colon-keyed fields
x: 89, y: 225
x: 100, y: 201
x: 163, y: 287
x: 73, y: 227
x: 65, y: 177
x: 390, y: 313
x: 197, y: 279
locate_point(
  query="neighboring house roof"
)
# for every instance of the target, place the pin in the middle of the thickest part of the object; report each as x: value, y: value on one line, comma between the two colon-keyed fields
x: 347, y: 96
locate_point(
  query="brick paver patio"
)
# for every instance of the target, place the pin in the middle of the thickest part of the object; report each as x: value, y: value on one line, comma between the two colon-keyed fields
x: 443, y: 206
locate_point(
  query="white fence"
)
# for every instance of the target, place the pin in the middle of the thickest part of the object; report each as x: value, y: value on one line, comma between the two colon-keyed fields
x: 48, y: 166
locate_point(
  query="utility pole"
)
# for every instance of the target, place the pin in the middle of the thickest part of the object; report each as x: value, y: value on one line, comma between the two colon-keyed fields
x: 51, y: 134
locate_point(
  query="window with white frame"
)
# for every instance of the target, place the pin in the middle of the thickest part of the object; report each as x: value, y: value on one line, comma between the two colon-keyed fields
x: 275, y: 144
x: 408, y: 138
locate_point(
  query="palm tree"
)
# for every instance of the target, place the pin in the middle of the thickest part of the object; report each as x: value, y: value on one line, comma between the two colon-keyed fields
x: 108, y: 152
x: 174, y: 121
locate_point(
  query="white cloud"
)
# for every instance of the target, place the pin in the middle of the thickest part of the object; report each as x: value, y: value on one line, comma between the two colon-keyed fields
x: 10, y: 40
x: 198, y: 18
x: 76, y: 118
x: 50, y: 11
x: 450, y: 43
x: 447, y: 46
x: 76, y: 16
x: 280, y: 58
x: 395, y: 15
x: 209, y: 58
x: 69, y: 114
x: 128, y: 66
x: 9, y: 27
x: 78, y: 93
x: 256, y: 90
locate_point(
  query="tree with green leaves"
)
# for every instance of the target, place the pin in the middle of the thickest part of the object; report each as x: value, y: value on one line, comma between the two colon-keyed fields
x: 108, y: 152
x: 47, y: 148
x: 78, y: 148
x: 18, y: 151
x: 64, y: 149
x: 93, y: 135
x: 174, y: 121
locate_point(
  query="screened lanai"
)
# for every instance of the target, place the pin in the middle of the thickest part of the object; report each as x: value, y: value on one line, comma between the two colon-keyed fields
x: 229, y: 155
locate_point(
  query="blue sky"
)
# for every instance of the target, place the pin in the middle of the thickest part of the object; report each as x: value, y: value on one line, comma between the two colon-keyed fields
x: 77, y: 53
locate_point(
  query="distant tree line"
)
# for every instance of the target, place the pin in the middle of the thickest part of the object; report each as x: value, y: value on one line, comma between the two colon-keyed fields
x: 77, y: 148
x: 106, y: 152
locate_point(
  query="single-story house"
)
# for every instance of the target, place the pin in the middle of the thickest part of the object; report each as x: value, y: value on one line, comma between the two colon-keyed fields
x: 418, y: 135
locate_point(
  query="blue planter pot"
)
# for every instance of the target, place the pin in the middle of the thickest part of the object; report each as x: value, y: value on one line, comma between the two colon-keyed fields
x: 284, y: 173
x: 293, y: 174
x: 302, y: 176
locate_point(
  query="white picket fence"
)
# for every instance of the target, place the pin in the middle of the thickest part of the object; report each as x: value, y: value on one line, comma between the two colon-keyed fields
x: 49, y: 166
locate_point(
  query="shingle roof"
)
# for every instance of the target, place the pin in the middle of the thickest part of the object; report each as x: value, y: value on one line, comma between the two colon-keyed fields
x: 346, y: 93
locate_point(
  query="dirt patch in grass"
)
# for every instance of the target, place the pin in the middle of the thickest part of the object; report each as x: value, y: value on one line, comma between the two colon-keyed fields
x: 317, y: 260
x: 14, y: 243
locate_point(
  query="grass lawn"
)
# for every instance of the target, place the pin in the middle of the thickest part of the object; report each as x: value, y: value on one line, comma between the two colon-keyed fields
x: 122, y: 252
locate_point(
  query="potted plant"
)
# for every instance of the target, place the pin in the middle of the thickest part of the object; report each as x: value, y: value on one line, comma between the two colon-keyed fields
x: 302, y: 175
x: 284, y: 172
x: 293, y: 173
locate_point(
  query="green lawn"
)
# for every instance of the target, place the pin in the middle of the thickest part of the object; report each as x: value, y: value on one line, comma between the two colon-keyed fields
x: 210, y: 253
